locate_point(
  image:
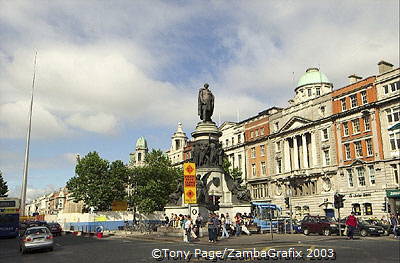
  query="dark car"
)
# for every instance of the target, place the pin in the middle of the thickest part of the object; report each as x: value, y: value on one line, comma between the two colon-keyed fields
x: 367, y: 229
x: 320, y: 225
x: 54, y: 228
x: 386, y: 226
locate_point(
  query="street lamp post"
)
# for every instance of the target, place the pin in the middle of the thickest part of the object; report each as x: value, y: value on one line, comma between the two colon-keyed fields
x: 28, y: 138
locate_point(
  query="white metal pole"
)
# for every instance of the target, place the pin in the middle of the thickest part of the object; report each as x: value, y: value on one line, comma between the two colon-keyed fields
x: 28, y: 139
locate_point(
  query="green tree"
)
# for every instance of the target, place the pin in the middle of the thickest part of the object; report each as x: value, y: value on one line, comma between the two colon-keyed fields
x: 234, y: 172
x: 152, y: 183
x: 3, y: 186
x: 97, y: 182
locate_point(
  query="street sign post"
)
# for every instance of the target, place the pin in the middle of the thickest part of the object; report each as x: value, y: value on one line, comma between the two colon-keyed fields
x: 189, y: 183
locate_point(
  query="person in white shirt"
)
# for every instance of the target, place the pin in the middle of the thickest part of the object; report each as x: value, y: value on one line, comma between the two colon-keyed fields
x: 188, y: 229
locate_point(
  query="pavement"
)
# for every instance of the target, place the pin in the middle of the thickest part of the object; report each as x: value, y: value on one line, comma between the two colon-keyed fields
x: 118, y: 248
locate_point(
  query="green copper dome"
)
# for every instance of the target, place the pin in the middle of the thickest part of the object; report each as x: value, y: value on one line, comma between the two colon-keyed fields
x: 141, y: 143
x: 312, y: 76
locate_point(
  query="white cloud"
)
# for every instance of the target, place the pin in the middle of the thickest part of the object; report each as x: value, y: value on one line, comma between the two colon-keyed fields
x: 31, y: 192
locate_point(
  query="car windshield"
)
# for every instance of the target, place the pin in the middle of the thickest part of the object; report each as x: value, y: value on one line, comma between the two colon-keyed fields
x: 37, y: 231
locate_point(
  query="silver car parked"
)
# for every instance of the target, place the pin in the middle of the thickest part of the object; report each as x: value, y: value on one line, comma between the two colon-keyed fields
x: 33, y: 238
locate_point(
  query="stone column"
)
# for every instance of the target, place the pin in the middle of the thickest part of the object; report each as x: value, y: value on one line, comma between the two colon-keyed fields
x: 286, y: 155
x: 314, y: 150
x: 305, y: 153
x: 295, y: 153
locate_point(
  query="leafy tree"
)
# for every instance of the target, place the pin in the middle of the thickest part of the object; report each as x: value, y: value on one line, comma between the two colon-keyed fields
x: 97, y: 182
x: 3, y: 186
x: 152, y: 183
x: 234, y: 172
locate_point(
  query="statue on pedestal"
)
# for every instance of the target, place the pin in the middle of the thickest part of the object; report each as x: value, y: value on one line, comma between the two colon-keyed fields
x: 205, y: 103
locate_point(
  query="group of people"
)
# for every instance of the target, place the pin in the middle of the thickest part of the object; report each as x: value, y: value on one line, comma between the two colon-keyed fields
x: 217, y: 225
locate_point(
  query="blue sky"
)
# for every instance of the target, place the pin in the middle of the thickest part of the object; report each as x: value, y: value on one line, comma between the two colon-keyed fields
x: 112, y: 71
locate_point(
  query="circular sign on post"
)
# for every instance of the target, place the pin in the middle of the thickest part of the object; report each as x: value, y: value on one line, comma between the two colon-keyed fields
x: 194, y: 211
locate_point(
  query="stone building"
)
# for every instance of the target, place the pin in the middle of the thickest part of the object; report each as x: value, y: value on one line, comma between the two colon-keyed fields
x: 178, y: 143
x: 327, y: 141
x: 388, y: 94
x: 232, y: 141
x: 137, y: 157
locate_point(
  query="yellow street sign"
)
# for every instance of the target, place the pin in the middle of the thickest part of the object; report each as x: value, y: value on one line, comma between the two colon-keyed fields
x: 119, y: 206
x: 189, y: 183
x: 189, y: 169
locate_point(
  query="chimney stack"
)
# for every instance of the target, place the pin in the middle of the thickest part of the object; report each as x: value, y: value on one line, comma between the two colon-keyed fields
x: 353, y: 78
x: 384, y: 66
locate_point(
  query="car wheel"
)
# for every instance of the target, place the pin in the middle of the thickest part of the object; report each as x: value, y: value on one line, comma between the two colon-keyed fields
x: 386, y: 233
x: 363, y: 233
x: 327, y: 232
x: 306, y: 231
x: 51, y: 248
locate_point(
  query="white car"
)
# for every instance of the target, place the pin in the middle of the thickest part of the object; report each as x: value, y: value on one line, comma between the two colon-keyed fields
x: 38, y: 237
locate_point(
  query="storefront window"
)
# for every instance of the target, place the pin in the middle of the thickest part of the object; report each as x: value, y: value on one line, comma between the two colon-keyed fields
x: 357, y: 209
x: 368, y: 209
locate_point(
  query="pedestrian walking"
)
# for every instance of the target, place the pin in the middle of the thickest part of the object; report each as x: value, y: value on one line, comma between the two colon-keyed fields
x: 228, y: 223
x: 188, y: 229
x: 210, y: 225
x: 394, y: 224
x: 238, y: 224
x: 166, y: 220
x: 223, y: 226
x: 351, y: 224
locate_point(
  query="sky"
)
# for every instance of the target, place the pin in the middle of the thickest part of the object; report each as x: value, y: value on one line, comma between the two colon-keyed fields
x: 109, y: 72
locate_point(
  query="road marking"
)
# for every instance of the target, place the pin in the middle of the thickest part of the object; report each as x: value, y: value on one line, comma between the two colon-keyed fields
x: 58, y: 245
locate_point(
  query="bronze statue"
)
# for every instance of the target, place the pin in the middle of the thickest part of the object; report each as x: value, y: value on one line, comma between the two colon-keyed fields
x: 205, y: 103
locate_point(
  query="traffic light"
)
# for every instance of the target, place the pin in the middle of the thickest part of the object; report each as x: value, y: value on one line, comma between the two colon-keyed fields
x: 338, y: 201
x: 287, y: 202
x: 216, y: 202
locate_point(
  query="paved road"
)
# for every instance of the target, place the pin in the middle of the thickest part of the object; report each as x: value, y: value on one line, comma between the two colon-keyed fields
x: 85, y: 249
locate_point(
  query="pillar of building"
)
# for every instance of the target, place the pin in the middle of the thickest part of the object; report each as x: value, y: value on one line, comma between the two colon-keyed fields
x: 305, y: 153
x: 314, y: 150
x: 286, y: 155
x: 295, y: 153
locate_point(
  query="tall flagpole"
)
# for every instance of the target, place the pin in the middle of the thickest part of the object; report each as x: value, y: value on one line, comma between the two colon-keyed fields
x: 28, y: 139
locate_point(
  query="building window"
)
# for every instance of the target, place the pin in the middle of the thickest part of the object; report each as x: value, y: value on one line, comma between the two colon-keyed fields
x: 278, y: 146
x: 356, y: 209
x: 386, y: 89
x: 370, y: 151
x: 350, y: 177
x: 395, y: 170
x: 263, y: 169
x: 367, y: 209
x: 327, y: 157
x: 394, y: 139
x: 276, y: 126
x: 279, y: 165
x: 256, y: 133
x: 393, y: 114
x: 345, y: 129
x: 371, y: 174
x: 322, y: 110
x: 233, y: 140
x: 253, y: 169
x: 358, y: 147
x: 348, y: 152
x: 343, y: 102
x: 361, y: 176
x: 253, y: 152
x: 262, y: 150
x: 262, y: 131
x: 318, y: 91
x: 252, y: 134
x: 395, y: 86
x: 325, y: 135
x: 239, y: 138
x: 356, y: 126
x: 364, y: 97
x: 309, y: 92
x: 227, y: 142
x: 240, y: 162
x: 353, y: 100
x: 367, y: 123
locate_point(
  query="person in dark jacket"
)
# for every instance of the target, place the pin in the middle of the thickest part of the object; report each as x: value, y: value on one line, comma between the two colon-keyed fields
x: 351, y: 224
